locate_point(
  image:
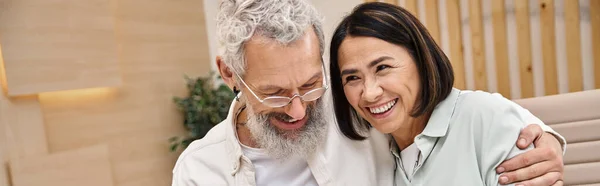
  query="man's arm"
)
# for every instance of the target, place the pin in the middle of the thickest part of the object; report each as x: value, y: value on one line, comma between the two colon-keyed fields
x: 540, y: 166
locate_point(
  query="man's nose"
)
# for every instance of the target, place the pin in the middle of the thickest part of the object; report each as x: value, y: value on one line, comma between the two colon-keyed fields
x: 296, y: 109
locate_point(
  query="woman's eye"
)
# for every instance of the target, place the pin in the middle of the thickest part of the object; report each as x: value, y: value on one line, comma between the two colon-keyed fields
x: 350, y: 78
x: 382, y: 67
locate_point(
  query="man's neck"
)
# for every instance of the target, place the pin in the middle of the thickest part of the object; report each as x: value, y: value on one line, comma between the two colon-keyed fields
x: 243, y: 133
x: 405, y: 136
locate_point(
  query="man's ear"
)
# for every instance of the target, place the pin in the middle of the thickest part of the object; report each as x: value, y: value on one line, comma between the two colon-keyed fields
x: 226, y: 73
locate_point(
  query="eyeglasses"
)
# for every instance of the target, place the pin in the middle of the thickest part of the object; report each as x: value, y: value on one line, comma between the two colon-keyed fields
x: 281, y: 101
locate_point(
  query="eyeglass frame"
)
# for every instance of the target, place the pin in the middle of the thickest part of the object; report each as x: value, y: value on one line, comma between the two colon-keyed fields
x: 325, y: 87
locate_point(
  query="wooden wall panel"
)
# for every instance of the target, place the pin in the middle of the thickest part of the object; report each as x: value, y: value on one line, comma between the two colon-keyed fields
x: 70, y: 42
x: 23, y: 127
x: 88, y: 166
x: 3, y: 87
x: 594, y: 12
x: 4, y: 151
x: 143, y: 166
x: 456, y: 47
x: 572, y: 35
x: 159, y: 42
x: 548, y: 46
x: 524, y: 44
x: 475, y: 20
x: 501, y: 47
x: 546, y: 53
x: 432, y: 22
x: 22, y: 131
x: 394, y: 2
x: 411, y: 6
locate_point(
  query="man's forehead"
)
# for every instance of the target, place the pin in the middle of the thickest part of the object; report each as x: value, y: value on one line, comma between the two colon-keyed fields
x: 284, y: 65
x: 289, y: 77
x: 282, y: 62
x: 268, y: 51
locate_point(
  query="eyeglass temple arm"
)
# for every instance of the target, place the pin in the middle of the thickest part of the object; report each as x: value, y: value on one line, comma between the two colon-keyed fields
x: 252, y: 92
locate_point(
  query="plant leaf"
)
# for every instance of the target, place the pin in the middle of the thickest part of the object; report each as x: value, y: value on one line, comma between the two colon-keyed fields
x: 204, y: 107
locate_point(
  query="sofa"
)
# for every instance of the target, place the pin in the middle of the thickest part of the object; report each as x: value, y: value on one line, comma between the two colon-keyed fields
x: 576, y: 116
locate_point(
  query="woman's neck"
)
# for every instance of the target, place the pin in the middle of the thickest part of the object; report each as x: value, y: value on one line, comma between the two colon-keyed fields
x: 406, y: 134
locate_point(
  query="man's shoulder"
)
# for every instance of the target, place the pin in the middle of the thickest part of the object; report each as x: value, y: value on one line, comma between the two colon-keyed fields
x: 207, y: 157
x: 213, y: 144
x: 213, y: 139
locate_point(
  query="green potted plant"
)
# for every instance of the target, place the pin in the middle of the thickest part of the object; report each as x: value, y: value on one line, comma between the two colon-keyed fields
x: 206, y: 105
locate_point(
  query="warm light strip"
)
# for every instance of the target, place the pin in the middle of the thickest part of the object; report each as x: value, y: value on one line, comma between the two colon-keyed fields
x: 3, y: 82
x: 90, y: 93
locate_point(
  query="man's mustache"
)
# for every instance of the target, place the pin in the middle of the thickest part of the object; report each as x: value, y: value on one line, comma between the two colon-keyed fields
x: 284, y: 117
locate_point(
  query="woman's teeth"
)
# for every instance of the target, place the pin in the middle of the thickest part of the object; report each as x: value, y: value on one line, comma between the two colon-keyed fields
x: 383, y: 108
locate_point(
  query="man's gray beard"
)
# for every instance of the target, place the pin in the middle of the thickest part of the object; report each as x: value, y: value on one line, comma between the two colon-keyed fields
x: 281, y: 144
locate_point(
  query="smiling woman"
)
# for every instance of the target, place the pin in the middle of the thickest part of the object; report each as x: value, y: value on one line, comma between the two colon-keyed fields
x: 410, y: 40
x: 392, y: 70
x: 388, y: 73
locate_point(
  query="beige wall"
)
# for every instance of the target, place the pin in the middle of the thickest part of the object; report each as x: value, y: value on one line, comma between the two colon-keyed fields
x: 333, y: 11
x: 72, y: 40
x: 113, y: 134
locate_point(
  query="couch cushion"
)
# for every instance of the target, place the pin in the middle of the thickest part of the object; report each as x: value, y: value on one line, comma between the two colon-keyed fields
x: 583, y: 152
x: 576, y: 116
x: 579, y: 131
x: 577, y: 106
x: 585, y: 173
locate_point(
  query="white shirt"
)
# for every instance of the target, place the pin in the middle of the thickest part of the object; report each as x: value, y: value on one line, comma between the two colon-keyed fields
x: 269, y: 171
x: 409, y: 157
x: 467, y: 136
x: 217, y: 159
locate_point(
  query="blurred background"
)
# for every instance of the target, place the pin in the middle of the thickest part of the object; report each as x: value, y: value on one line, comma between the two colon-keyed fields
x: 88, y: 85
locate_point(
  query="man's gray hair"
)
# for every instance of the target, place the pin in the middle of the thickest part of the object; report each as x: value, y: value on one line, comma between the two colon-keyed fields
x: 284, y: 21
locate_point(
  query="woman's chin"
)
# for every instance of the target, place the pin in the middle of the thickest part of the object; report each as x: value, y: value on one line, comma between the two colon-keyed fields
x: 385, y: 128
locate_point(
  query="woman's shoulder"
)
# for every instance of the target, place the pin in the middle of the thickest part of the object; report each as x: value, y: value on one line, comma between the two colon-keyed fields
x: 480, y: 101
x: 489, y: 109
x: 491, y: 123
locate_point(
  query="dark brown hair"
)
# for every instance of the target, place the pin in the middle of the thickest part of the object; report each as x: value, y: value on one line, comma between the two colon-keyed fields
x: 395, y: 25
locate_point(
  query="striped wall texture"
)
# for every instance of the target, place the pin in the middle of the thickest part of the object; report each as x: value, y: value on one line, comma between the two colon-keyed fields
x: 519, y: 48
